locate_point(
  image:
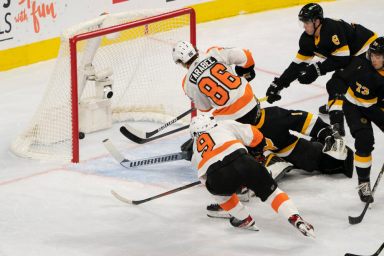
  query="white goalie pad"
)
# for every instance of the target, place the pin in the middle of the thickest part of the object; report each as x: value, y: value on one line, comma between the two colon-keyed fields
x: 277, y: 166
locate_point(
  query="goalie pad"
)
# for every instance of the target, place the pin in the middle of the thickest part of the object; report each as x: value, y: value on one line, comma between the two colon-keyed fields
x: 277, y: 166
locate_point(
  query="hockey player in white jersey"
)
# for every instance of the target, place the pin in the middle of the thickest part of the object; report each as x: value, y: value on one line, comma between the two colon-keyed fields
x: 223, y: 164
x: 211, y: 83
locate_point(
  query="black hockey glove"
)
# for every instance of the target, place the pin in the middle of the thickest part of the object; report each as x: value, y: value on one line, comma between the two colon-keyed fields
x: 310, y: 74
x: 247, y: 73
x: 187, y: 147
x: 273, y: 92
x: 258, y: 150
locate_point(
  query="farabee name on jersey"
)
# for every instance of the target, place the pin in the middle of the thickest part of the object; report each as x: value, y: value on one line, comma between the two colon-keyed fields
x: 201, y: 67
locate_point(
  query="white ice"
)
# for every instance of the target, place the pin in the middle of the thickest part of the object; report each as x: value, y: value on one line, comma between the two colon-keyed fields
x: 64, y: 209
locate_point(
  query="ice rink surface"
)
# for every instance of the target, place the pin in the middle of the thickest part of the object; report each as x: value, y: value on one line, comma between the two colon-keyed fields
x: 63, y: 209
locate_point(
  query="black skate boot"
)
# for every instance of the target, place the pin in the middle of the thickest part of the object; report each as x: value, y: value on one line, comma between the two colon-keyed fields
x: 365, y: 191
x: 215, y: 211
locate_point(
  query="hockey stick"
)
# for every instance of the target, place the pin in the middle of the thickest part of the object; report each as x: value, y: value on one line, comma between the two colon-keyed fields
x: 136, y: 202
x: 147, y: 135
x: 141, y: 137
x: 375, y: 254
x: 139, y: 140
x: 263, y: 99
x: 141, y: 162
x: 358, y: 219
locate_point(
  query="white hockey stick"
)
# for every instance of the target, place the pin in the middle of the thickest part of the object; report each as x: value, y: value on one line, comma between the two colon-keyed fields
x: 146, y: 135
x: 141, y: 162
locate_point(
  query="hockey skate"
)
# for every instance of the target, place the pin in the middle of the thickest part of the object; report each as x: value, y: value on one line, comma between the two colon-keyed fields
x: 304, y: 227
x: 247, y: 223
x: 334, y: 146
x: 215, y: 211
x: 365, y: 191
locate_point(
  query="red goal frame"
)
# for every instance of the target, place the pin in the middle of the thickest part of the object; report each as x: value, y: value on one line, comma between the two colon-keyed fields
x: 73, y: 55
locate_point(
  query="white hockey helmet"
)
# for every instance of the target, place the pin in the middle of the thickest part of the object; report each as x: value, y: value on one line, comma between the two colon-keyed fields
x: 183, y: 51
x: 201, y: 124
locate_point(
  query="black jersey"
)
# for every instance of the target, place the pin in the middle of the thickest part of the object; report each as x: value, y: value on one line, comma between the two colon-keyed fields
x: 338, y: 41
x: 365, y: 83
x: 276, y: 123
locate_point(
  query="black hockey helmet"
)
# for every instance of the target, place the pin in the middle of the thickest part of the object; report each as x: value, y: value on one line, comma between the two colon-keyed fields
x: 310, y: 12
x: 377, y: 46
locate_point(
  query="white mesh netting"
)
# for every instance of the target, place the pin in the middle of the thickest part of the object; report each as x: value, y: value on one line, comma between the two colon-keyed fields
x: 147, y: 83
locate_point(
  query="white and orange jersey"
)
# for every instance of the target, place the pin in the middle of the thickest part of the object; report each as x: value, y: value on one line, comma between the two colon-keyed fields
x: 222, y: 140
x: 211, y: 83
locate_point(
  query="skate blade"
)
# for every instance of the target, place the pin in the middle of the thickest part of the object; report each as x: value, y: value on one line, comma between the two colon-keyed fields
x: 251, y: 228
x: 219, y: 215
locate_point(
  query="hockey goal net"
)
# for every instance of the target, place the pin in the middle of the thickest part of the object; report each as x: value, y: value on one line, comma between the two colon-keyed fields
x: 133, y: 49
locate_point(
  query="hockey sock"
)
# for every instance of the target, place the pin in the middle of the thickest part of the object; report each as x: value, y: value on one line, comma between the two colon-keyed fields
x: 233, y: 206
x: 281, y: 204
x: 363, y: 166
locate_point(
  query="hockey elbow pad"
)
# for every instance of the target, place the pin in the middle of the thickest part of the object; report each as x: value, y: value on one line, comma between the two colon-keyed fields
x: 259, y: 149
x: 248, y: 73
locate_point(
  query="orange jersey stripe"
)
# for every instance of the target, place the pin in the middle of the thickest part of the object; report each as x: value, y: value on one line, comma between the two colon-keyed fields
x: 214, y: 47
x: 279, y: 200
x: 208, y: 155
x: 257, y: 137
x: 250, y: 60
x: 231, y: 203
x: 183, y: 83
x: 205, y: 110
x: 237, y: 105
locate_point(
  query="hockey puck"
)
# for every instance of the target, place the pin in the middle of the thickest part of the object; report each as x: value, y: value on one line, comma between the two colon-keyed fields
x: 81, y: 135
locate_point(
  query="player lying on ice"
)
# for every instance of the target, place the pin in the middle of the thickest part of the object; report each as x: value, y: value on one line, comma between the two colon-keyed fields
x: 224, y: 165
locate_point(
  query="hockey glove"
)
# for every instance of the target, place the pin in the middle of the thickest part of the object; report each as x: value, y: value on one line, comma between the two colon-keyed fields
x: 310, y: 74
x: 258, y: 150
x: 187, y: 147
x: 273, y: 92
x: 247, y: 73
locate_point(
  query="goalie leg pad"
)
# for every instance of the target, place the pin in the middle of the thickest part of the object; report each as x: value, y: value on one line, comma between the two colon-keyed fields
x: 277, y: 166
x: 303, y: 151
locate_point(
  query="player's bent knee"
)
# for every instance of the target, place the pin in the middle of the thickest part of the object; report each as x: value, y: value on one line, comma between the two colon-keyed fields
x: 364, y: 141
